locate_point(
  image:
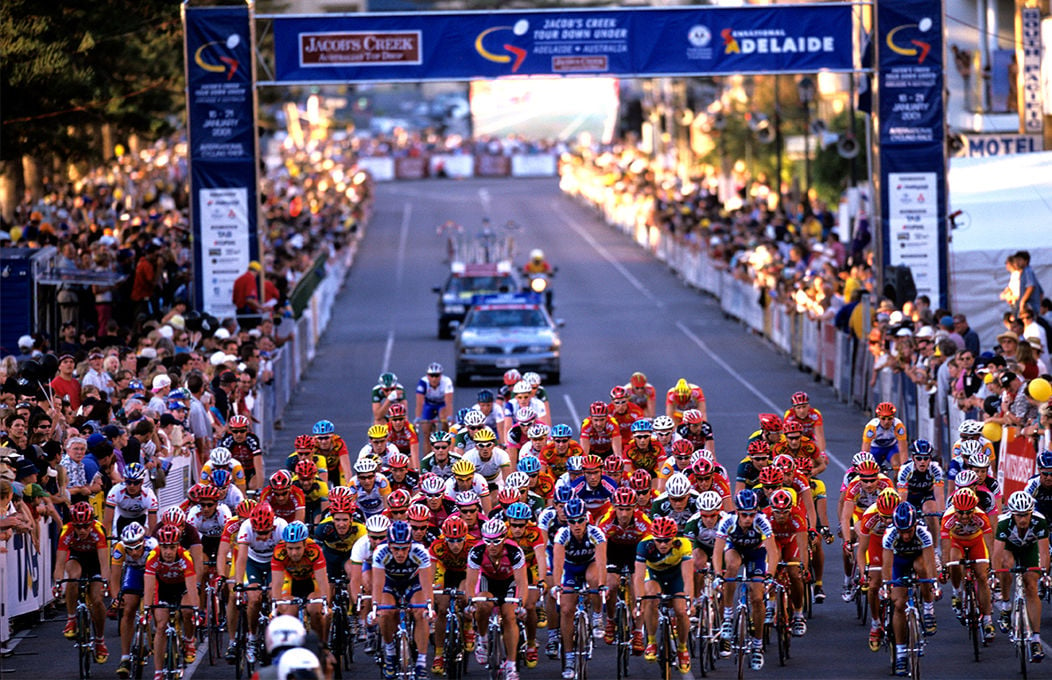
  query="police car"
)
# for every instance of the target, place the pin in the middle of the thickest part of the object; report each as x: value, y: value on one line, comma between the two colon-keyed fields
x: 507, y: 331
x: 464, y: 283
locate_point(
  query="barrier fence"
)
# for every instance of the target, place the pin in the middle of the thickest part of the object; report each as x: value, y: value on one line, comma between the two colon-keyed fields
x: 460, y: 166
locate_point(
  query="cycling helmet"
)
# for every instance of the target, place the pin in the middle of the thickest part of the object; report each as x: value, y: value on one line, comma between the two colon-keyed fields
x: 484, y: 397
x: 905, y: 517
x: 624, y: 496
x: 519, y: 511
x: 758, y: 448
x: 517, y: 480
x: 1020, y: 503
x: 396, y: 410
x: 575, y: 508
x: 746, y: 500
x: 378, y: 524
x: 532, y: 378
x: 531, y: 465
x: 398, y: 460
x: 640, y: 481
x: 887, y: 501
x: 341, y: 504
x: 419, y: 513
x: 618, y: 392
x: 238, y: 422
x: 703, y: 453
x: 804, y: 465
x: 169, y: 534
x: 262, y: 518
x: 294, y: 532
x: 638, y: 380
x: 793, y: 427
x: 1044, y: 459
x: 970, y: 428
x: 800, y: 398
x: 221, y: 478
x: 867, y: 468
x: 364, y: 466
x: 303, y: 442
x: 781, y: 500
x: 507, y: 495
x: 538, y: 431
x: 886, y: 409
x: 388, y: 380
x: 969, y: 447
x: 441, y: 436
x: 643, y: 425
x: 681, y: 447
x: 521, y: 387
x: 210, y: 493
x: 525, y: 415
x: 474, y: 418
x: 964, y: 500
x: 281, y: 480
x: 341, y: 492
x: 591, y: 462
x: 562, y: 431
x: 575, y: 464
x: 664, y: 527
x: 133, y: 535
x: 682, y: 388
x: 287, y: 632
x: 598, y: 409
x: 432, y: 484
x: 965, y: 478
x: 678, y: 485
x: 435, y: 368
x: 484, y: 435
x: 174, y: 516
x: 614, y: 465
x: 785, y: 463
x: 462, y: 413
x: 377, y: 432
x: 861, y: 456
x: 981, y: 460
x: 466, y: 498
x: 134, y: 472
x: 664, y: 424
x: 563, y: 493
x: 454, y: 527
x: 702, y: 467
x: 306, y: 469
x: 770, y: 422
x: 771, y: 476
x: 323, y: 427
x: 494, y: 530
x: 463, y: 468
x: 220, y: 456
x: 399, y: 533
x: 710, y: 501
x: 922, y: 448
x: 512, y: 377
x: 398, y: 499
x: 692, y: 416
x: 244, y: 508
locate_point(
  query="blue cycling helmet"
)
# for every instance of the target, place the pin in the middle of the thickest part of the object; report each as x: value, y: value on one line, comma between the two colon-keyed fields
x: 746, y: 500
x: 575, y: 508
x: 922, y: 447
x: 563, y: 493
x: 484, y: 397
x: 529, y: 464
x: 575, y: 464
x: 135, y: 472
x: 519, y: 511
x: 399, y: 533
x: 323, y: 427
x: 1044, y: 459
x: 221, y: 478
x: 461, y: 413
x: 643, y: 425
x: 294, y: 532
x: 561, y: 431
x: 905, y: 516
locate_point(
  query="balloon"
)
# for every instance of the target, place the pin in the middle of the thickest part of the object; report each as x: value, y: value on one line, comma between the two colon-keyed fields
x: 49, y: 367
x: 992, y: 431
x: 1040, y: 389
x: 32, y: 370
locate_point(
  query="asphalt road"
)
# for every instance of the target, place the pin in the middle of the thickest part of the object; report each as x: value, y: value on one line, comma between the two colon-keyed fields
x: 624, y: 312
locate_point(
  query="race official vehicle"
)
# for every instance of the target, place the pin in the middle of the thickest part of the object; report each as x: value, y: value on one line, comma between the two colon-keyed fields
x: 464, y: 283
x: 507, y: 331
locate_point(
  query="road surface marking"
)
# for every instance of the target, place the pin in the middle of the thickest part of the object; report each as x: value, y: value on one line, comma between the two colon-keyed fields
x: 403, y: 240
x: 570, y: 406
x: 189, y: 672
x: 388, y: 349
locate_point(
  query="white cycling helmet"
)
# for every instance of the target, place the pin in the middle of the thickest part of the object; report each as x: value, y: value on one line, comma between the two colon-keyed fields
x: 365, y: 465
x: 517, y: 480
x: 965, y: 478
x: 1020, y: 503
x: 980, y: 459
x: 861, y: 457
x: 432, y: 484
x: 133, y: 535
x: 662, y: 423
x: 534, y: 379
x: 526, y: 414
x: 522, y: 387
x: 299, y: 664
x: 538, y: 430
x: 709, y: 501
x: 378, y: 524
x: 678, y: 485
x: 220, y: 456
x: 474, y: 418
x: 285, y: 631
x: 970, y: 427
x: 702, y: 453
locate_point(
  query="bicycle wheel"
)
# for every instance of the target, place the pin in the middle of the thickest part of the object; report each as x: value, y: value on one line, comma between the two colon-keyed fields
x: 742, y: 641
x: 84, y: 650
x: 582, y: 636
x: 242, y: 665
x: 336, y: 640
x: 137, y: 652
x: 172, y: 654
x: 782, y: 623
x: 972, y: 618
x: 623, y: 639
x: 495, y: 653
x: 1020, y: 622
x: 454, y: 646
x: 667, y: 653
x: 405, y: 655
x: 913, y: 646
x: 707, y: 627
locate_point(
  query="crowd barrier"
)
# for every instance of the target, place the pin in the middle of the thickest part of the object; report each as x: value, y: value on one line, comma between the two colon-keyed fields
x: 25, y: 575
x: 459, y: 166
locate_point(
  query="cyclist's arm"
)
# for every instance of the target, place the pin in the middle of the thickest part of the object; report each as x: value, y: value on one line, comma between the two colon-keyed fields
x: 447, y: 410
x: 239, y: 566
x: 115, y: 578
x: 615, y: 443
x: 277, y: 579
x: 586, y: 443
x: 521, y: 586
x: 998, y: 551
x: 197, y: 554
x: 801, y: 550
x: 107, y: 518
x: 414, y: 453
x: 773, y: 555
x: 687, y: 570
x: 321, y: 578
x: 718, y: 549
x: 345, y: 466
x: 191, y: 590
x: 149, y: 587
x: 377, y: 575
x: 427, y: 582
x: 257, y: 478
x: 820, y: 437
x: 845, y: 519
x: 151, y: 521
x: 419, y: 406
x: 639, y: 575
x: 1042, y: 554
x: 808, y: 500
x: 885, y: 568
x: 903, y: 454
x: 929, y: 559
x: 471, y: 581
x: 600, y: 557
x: 558, y: 559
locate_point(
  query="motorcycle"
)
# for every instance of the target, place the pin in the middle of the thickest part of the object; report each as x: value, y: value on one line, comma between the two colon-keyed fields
x: 541, y: 284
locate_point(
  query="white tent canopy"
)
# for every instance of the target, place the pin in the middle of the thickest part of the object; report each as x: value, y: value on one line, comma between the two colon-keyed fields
x: 1006, y: 205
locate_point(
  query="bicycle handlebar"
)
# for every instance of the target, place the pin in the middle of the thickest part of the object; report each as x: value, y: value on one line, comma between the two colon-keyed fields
x: 507, y: 600
x: 965, y: 562
x: 1018, y: 570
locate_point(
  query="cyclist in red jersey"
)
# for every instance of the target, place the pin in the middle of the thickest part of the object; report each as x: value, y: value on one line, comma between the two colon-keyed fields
x: 562, y: 446
x: 287, y: 500
x: 524, y: 532
x: 600, y: 433
x: 334, y: 449
x: 642, y: 393
x: 798, y: 445
x: 244, y: 446
x: 402, y: 433
x: 811, y: 419
x: 497, y: 569
x: 297, y: 569
x: 678, y: 460
x: 684, y: 396
x: 704, y: 477
x: 790, y: 534
x: 696, y: 430
x: 170, y: 579
x: 624, y: 525
x: 641, y: 482
x: 624, y: 411
x: 643, y: 453
x: 82, y: 552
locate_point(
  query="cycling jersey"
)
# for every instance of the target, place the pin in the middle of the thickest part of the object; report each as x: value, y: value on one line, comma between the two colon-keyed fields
x: 806, y: 449
x: 786, y: 531
x: 189, y: 537
x: 616, y: 534
x: 644, y: 458
x: 313, y: 495
x: 260, y: 550
x: 529, y: 541
x: 511, y: 407
x: 434, y: 397
x: 703, y: 537
x: 302, y: 569
x: 236, y: 470
x: 648, y: 554
x: 747, y: 473
x: 326, y: 535
x: 410, y: 481
x: 478, y: 484
x: 131, y: 507
x: 172, y: 573
x: 286, y: 507
x: 600, y: 438
x: 697, y: 438
x: 417, y: 559
x: 719, y: 484
x: 120, y: 557
x: 70, y: 542
x: 680, y: 404
x: 244, y: 452
x: 1042, y: 495
x: 371, y: 502
x: 595, y: 498
x: 402, y: 438
x: 741, y: 539
x: 332, y: 459
x: 907, y: 549
x: 919, y: 485
x: 431, y: 465
x: 625, y: 418
x: 883, y: 441
x: 962, y: 529
x: 1016, y: 539
x: 293, y: 459
x: 812, y: 420
x: 491, y: 468
x: 862, y: 498
x: 641, y: 398
x: 210, y: 528
x: 580, y: 551
x: 662, y: 507
x: 956, y: 460
x: 503, y: 568
x: 362, y: 553
x: 448, y: 562
x: 556, y: 460
x: 872, y: 526
x: 379, y: 393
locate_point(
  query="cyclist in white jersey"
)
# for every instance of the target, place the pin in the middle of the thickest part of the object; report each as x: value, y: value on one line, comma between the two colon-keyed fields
x: 129, y: 502
x: 434, y: 402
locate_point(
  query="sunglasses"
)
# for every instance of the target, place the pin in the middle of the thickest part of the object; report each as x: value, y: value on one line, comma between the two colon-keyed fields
x: 377, y: 538
x: 746, y: 514
x: 561, y: 440
x: 455, y: 540
x: 322, y: 437
x: 494, y: 541
x: 517, y: 525
x: 662, y: 540
x: 239, y: 430
x: 368, y: 476
x: 439, y: 447
x: 420, y: 527
x: 620, y: 401
x: 469, y: 511
x: 207, y: 505
x: 641, y: 436
x: 397, y: 419
x: 483, y: 445
x: 133, y: 482
x: 579, y: 520
x: 868, y: 480
x: 435, y: 495
x: 792, y: 436
x: 682, y: 457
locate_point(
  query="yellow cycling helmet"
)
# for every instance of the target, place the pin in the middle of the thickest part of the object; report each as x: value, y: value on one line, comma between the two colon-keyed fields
x: 378, y: 432
x: 484, y: 435
x: 463, y: 468
x: 682, y: 388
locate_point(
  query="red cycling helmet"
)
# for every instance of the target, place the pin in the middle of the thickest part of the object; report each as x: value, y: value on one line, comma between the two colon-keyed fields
x: 614, y: 465
x: 210, y: 492
x: 618, y: 392
x: 771, y: 476
x: 692, y: 416
x: 770, y: 422
x: 964, y: 500
x: 419, y: 513
x: 341, y: 504
x: 238, y: 423
x: 664, y: 527
x: 244, y: 508
x: 306, y: 469
x: 262, y: 518
x: 800, y: 398
x: 508, y: 495
x: 886, y: 409
x: 81, y: 513
x: 638, y: 380
x: 785, y: 463
x: 591, y: 462
x: 867, y: 468
x: 398, y: 460
x: 640, y: 481
x: 598, y: 409
x: 454, y: 527
x: 396, y: 410
x: 304, y: 442
x: 804, y: 465
x: 681, y: 447
x: 758, y: 448
x: 281, y: 480
x: 703, y: 467
x: 781, y: 500
x: 169, y: 535
x: 193, y: 494
x: 624, y: 496
x: 173, y: 515
x: 511, y: 377
x: 793, y: 427
x: 398, y: 500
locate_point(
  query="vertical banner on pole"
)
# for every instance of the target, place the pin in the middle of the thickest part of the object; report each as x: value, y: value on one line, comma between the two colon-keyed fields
x: 221, y: 119
x: 912, y: 149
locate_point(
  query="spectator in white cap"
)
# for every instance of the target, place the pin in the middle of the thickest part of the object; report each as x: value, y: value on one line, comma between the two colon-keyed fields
x: 1033, y: 329
x: 25, y: 350
x: 162, y: 385
x: 96, y: 375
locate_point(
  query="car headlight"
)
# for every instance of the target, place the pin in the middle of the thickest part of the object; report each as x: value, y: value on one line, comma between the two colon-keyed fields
x: 473, y: 350
x: 455, y: 309
x: 539, y: 349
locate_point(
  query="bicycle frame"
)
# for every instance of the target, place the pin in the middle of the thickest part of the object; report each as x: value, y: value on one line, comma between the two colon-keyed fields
x: 173, y: 662
x: 403, y: 637
x: 85, y: 625
x: 496, y: 654
x: 970, y: 604
x: 741, y: 640
x: 914, y: 635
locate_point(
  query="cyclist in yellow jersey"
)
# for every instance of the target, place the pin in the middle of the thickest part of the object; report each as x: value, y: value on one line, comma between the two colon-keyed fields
x: 664, y: 566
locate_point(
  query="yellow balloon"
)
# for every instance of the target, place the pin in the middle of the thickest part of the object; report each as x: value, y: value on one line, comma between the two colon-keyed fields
x: 1040, y: 390
x: 118, y: 150
x: 992, y: 431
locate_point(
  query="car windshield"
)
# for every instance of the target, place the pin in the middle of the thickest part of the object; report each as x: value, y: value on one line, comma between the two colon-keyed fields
x: 480, y: 284
x: 503, y: 318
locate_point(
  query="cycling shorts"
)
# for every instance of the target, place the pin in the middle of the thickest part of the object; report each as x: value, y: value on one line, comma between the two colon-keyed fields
x: 754, y: 559
x: 619, y: 556
x: 88, y: 561
x: 334, y: 562
x: 875, y: 551
x: 883, y: 454
x: 918, y: 500
x: 971, y: 549
x: 125, y: 521
x: 705, y: 548
x: 1025, y: 556
x: 498, y: 588
x: 402, y: 590
x: 170, y: 593
x: 670, y: 580
x: 257, y: 573
x: 902, y: 566
x: 789, y: 550
x: 452, y: 578
x: 574, y: 575
x: 430, y: 411
x: 298, y: 587
x: 132, y: 580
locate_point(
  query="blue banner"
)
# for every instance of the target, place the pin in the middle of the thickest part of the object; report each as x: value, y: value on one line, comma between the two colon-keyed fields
x: 912, y: 149
x: 221, y: 122
x: 626, y: 43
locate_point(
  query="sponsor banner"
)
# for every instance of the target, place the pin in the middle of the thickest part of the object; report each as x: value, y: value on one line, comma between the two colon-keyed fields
x: 382, y: 169
x: 693, y: 41
x: 534, y: 165
x: 410, y: 168
x: 221, y: 115
x: 492, y: 166
x: 1017, y: 461
x: 1028, y: 54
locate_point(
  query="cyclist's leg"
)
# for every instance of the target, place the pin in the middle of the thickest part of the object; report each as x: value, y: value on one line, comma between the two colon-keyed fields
x: 442, y: 602
x: 900, y: 567
x: 160, y: 619
x: 650, y: 589
x: 573, y: 577
x: 756, y: 566
x: 98, y: 609
x: 508, y: 619
x: 73, y: 571
x: 732, y: 564
x: 1033, y: 602
x: 957, y: 551
x: 875, y: 557
x: 131, y: 608
x: 1004, y: 603
x: 257, y: 575
x: 982, y: 574
x: 594, y: 578
x: 421, y: 631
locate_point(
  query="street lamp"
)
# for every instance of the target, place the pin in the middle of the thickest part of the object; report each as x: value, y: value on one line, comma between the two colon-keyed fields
x: 805, y: 88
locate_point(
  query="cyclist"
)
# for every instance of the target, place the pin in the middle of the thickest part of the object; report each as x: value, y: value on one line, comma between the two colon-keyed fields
x: 539, y: 483
x: 770, y: 429
x: 523, y: 397
x: 967, y: 533
x: 818, y: 560
x: 908, y: 549
x: 127, y: 568
x: 679, y: 502
x: 287, y: 500
x: 920, y: 482
x: 370, y: 487
x: 538, y: 436
x: 758, y: 457
x: 885, y: 437
x: 220, y: 458
x: 191, y: 540
x: 315, y: 492
x: 533, y: 379
x: 678, y: 459
x: 810, y: 418
x: 333, y: 449
x: 229, y: 494
x: 969, y: 431
x: 516, y: 431
x: 789, y: 523
x: 624, y: 526
x: 1040, y: 485
x: 130, y: 501
x: 398, y: 505
x: 705, y: 477
x: 337, y: 533
x: 286, y: 634
x: 497, y: 569
x: 402, y: 433
x: 550, y: 521
x: 245, y: 448
x: 469, y: 508
x: 562, y: 446
x: 979, y: 463
x: 386, y: 393
x: 379, y: 447
x: 578, y: 562
x: 449, y: 555
x: 600, y: 433
x: 1021, y: 540
x: 664, y: 566
x: 641, y: 482
x: 465, y: 478
x: 642, y: 393
x: 870, y: 529
x: 527, y: 536
x: 403, y: 573
x: 642, y: 452
x: 489, y: 460
x: 484, y: 404
x: 441, y: 459
x: 798, y: 445
x: 624, y: 412
x: 684, y: 396
x: 421, y: 523
x: 504, y: 395
x: 360, y: 568
x: 702, y: 528
x: 256, y: 540
x: 228, y: 551
x: 303, y: 449
x: 401, y: 474
x: 696, y: 430
x: 744, y: 538
x: 170, y: 579
x: 434, y: 401
x: 298, y: 570
x: 860, y: 493
x: 664, y: 432
x: 433, y: 495
x: 209, y: 517
x: 82, y: 551
x: 594, y: 488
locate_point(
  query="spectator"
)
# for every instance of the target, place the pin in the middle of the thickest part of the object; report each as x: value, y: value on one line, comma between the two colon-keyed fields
x: 78, y: 486
x: 1030, y: 292
x: 246, y: 296
x: 161, y: 387
x: 199, y: 422
x: 1032, y: 328
x: 147, y: 277
x: 65, y: 385
x: 96, y: 376
x: 970, y: 337
x: 1008, y: 344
